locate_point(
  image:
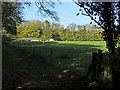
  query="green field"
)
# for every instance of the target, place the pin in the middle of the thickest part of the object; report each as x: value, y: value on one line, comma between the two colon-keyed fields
x: 50, y: 63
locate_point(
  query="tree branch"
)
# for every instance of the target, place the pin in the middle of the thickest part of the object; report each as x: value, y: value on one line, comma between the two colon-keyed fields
x: 88, y: 14
x: 94, y: 19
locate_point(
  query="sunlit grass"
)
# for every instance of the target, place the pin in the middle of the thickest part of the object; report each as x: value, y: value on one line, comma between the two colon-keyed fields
x: 64, y: 53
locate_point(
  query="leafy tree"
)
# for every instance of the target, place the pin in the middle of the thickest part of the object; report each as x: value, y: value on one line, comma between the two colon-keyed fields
x: 93, y: 34
x: 11, y: 15
x: 58, y: 31
x: 25, y: 23
x: 55, y: 34
x: 107, y: 13
x: 82, y: 32
x: 79, y: 34
x: 62, y: 34
x: 47, y: 32
x: 67, y: 34
x: 5, y: 33
x: 100, y: 35
x: 72, y: 27
x: 19, y: 30
x: 33, y: 29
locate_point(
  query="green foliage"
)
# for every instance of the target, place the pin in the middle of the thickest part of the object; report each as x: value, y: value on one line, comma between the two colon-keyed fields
x: 46, y: 31
x: 5, y: 33
x: 11, y: 15
x: 107, y: 13
x: 33, y: 29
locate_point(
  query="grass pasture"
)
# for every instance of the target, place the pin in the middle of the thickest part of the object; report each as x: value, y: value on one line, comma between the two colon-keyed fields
x: 41, y: 64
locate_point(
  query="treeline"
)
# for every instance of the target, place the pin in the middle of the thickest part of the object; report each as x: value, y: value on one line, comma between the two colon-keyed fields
x: 46, y: 30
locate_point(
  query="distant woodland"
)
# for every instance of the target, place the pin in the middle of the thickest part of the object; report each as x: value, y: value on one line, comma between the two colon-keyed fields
x: 46, y: 30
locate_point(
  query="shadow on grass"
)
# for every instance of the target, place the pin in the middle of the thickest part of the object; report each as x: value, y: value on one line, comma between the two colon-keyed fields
x: 32, y: 65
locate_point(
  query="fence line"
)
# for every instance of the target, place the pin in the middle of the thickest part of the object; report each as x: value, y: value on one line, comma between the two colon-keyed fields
x: 97, y: 67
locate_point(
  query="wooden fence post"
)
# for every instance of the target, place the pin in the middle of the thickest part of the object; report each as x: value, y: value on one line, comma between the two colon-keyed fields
x: 33, y: 46
x: 17, y: 44
x: 94, y: 66
x: 99, y: 71
x: 51, y: 55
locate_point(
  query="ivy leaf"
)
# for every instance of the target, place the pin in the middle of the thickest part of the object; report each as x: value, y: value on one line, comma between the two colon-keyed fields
x: 77, y: 14
x: 79, y: 9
